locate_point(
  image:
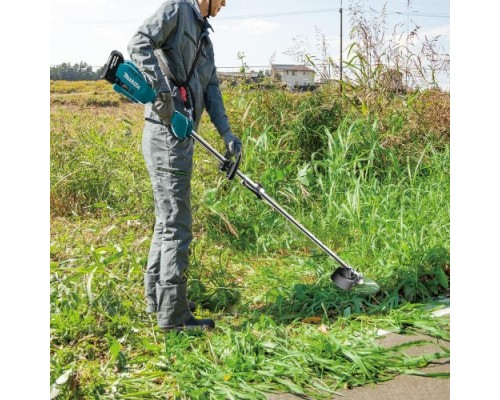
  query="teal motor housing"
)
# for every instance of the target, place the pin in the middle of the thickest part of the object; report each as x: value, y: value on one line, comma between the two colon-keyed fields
x: 127, y: 79
x: 181, y: 126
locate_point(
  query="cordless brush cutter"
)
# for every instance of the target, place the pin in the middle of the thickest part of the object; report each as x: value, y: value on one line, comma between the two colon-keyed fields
x: 129, y: 81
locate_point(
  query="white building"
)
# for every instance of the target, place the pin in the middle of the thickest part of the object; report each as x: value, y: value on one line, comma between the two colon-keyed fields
x: 294, y: 75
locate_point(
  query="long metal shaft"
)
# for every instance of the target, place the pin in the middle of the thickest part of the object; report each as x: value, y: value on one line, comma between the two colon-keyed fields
x: 261, y: 193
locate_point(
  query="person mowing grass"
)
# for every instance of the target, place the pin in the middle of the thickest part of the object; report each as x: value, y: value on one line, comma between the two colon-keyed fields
x: 174, y: 52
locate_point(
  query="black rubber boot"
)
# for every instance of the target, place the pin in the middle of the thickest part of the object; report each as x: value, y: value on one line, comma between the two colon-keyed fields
x: 192, y: 323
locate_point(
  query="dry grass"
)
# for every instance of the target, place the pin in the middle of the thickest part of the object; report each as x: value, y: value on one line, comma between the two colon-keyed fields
x: 433, y: 113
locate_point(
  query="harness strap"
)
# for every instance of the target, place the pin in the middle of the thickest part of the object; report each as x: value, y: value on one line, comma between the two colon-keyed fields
x: 184, y: 87
x: 203, y: 35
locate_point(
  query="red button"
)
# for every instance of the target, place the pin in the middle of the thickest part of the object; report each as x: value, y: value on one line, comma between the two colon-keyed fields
x: 183, y: 94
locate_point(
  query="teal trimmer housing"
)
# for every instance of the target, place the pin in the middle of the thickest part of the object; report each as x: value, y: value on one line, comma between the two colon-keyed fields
x: 127, y: 79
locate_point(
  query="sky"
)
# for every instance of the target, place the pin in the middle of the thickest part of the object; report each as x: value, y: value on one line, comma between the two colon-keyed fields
x: 87, y: 30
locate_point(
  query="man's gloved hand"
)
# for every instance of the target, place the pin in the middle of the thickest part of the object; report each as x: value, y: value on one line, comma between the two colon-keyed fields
x: 233, y: 144
x: 164, y: 106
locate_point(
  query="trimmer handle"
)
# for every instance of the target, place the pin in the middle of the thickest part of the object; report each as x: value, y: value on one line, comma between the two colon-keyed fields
x: 230, y: 167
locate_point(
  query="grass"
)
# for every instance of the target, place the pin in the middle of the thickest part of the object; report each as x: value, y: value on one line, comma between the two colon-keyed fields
x: 373, y: 186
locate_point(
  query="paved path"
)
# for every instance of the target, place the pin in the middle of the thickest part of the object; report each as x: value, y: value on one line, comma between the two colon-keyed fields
x: 403, y: 387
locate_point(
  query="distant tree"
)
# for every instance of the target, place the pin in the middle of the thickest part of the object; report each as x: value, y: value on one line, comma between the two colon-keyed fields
x: 99, y: 72
x: 76, y: 72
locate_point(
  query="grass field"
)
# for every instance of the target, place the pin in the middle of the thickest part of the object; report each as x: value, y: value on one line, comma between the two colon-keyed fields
x: 369, y: 178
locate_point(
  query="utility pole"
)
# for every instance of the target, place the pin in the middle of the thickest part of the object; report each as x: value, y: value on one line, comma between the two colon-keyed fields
x: 340, y: 46
x: 407, y: 34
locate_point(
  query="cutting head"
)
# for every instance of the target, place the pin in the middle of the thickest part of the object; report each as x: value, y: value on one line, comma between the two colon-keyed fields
x: 348, y: 279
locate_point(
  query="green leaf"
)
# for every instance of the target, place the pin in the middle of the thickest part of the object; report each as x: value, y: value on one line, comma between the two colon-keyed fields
x: 100, y: 205
x: 64, y: 377
x: 112, y: 258
x: 427, y: 374
x: 89, y: 287
x: 442, y: 278
x: 54, y: 392
x: 290, y: 385
x: 114, y: 348
x: 302, y: 174
x: 357, y: 360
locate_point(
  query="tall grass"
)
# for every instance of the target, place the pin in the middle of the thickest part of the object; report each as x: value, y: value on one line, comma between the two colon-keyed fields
x: 374, y: 187
x: 386, y: 208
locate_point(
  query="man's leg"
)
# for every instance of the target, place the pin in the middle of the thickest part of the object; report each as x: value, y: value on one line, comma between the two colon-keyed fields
x: 152, y: 274
x: 169, y: 163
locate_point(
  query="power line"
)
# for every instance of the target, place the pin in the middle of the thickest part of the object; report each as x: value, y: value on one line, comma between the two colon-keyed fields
x: 419, y: 14
x: 282, y: 14
x: 248, y: 66
x: 270, y: 15
x: 273, y: 15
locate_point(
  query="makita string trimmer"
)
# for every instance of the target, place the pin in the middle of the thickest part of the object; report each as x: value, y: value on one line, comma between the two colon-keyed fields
x: 129, y: 81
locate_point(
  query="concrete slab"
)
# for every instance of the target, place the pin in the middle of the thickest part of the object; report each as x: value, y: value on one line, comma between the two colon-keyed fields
x: 407, y: 387
x: 402, y: 387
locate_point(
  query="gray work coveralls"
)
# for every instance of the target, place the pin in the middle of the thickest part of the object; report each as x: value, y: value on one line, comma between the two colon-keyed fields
x: 175, y: 28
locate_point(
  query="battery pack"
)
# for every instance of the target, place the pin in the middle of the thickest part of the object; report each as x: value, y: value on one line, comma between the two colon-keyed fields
x: 127, y: 79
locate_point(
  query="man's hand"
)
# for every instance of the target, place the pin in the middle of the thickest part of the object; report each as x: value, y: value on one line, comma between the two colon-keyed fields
x: 164, y: 106
x: 233, y: 144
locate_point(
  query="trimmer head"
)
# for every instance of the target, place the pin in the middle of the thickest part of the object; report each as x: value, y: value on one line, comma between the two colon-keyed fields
x: 348, y: 279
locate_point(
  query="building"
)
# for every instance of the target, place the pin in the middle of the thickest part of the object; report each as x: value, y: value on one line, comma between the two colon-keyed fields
x: 252, y: 75
x: 293, y: 75
x: 237, y: 78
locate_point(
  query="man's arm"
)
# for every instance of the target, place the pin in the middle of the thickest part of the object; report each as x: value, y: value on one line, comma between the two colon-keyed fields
x: 217, y: 112
x: 150, y: 36
x: 215, y: 105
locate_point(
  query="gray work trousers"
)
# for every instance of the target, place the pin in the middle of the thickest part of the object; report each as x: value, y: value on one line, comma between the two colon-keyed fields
x: 169, y: 162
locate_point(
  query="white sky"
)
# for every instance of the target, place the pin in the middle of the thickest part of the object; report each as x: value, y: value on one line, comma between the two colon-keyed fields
x: 87, y: 30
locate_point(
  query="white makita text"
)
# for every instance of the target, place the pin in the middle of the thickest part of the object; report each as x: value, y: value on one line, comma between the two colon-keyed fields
x: 132, y: 82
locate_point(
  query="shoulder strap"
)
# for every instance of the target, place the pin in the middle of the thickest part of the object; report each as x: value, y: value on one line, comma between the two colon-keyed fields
x: 196, y: 58
x: 203, y: 35
x: 162, y: 61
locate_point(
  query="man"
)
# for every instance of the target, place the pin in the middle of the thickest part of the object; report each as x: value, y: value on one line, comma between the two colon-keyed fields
x: 174, y: 52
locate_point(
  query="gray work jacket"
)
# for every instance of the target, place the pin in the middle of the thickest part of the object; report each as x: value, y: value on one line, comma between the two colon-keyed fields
x: 175, y: 28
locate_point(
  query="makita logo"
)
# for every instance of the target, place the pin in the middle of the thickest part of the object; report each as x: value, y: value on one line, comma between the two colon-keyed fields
x: 132, y: 82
